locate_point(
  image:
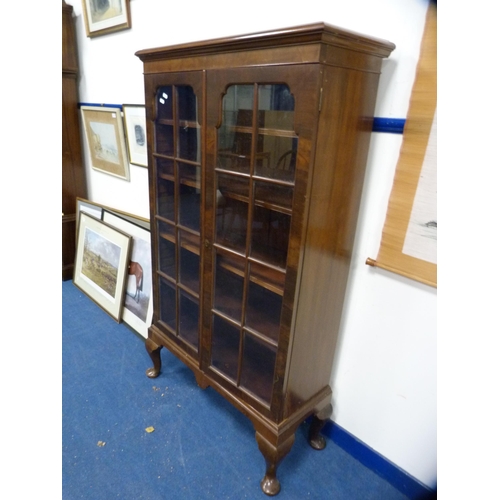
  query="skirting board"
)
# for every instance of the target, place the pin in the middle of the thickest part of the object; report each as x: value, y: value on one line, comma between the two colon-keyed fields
x: 394, y: 475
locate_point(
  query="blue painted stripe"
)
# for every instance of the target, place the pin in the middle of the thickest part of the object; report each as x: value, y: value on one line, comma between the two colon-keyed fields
x: 99, y: 105
x: 389, y: 125
x: 390, y: 472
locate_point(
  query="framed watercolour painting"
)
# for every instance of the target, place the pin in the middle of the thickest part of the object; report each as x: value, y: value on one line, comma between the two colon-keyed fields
x: 106, y: 140
x: 101, y: 263
x: 135, y: 128
x: 106, y: 16
x: 138, y: 303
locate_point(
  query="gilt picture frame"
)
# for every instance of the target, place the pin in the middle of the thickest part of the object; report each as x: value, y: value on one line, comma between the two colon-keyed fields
x: 138, y: 301
x: 134, y: 116
x: 101, y: 263
x: 106, y: 16
x: 106, y: 140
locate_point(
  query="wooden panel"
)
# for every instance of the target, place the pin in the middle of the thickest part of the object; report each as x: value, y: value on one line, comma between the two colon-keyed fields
x: 338, y: 174
x: 73, y: 169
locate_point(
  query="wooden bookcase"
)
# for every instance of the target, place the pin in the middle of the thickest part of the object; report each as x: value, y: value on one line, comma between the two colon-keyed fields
x: 257, y: 151
x: 73, y: 168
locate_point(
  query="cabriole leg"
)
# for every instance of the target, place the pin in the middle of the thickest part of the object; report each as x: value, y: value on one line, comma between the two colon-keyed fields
x: 315, y: 439
x: 273, y: 455
x: 154, y: 353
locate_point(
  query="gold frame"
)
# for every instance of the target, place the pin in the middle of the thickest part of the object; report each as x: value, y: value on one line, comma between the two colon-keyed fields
x: 99, y: 277
x: 104, y: 130
x: 102, y: 23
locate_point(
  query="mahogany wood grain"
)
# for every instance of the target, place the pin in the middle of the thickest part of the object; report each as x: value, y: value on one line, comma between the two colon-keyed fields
x: 332, y: 76
x: 73, y: 169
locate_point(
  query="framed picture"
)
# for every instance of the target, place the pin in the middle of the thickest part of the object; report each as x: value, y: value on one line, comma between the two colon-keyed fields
x: 106, y: 140
x: 106, y: 16
x: 101, y: 263
x: 96, y: 209
x: 135, y: 129
x: 138, y: 304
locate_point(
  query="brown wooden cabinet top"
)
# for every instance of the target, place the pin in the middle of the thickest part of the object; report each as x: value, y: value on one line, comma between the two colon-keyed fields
x: 294, y: 36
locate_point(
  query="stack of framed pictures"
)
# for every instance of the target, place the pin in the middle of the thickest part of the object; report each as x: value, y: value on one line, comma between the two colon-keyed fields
x: 112, y: 140
x: 113, y: 263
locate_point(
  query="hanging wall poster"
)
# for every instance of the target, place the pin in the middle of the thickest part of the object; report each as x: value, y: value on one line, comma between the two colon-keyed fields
x: 409, y: 237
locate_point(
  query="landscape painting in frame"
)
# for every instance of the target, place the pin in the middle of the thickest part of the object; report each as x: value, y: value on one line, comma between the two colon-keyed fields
x: 106, y: 140
x: 101, y: 263
x: 138, y: 303
x: 106, y: 16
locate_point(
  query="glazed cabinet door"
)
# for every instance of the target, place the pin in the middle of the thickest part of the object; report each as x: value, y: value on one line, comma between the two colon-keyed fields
x: 260, y: 128
x: 175, y: 113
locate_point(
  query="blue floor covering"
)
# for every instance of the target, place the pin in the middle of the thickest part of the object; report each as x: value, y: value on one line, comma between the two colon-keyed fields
x: 201, y: 447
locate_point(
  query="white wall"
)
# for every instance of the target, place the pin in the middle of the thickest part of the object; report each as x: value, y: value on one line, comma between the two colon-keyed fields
x: 384, y: 376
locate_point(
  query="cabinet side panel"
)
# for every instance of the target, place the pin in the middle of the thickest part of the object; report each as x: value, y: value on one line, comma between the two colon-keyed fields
x: 342, y: 147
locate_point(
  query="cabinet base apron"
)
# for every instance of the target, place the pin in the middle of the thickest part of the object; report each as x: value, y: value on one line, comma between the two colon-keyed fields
x: 275, y: 440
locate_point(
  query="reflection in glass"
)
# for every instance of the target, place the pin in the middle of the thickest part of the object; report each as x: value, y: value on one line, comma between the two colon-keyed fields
x: 225, y: 347
x: 164, y: 103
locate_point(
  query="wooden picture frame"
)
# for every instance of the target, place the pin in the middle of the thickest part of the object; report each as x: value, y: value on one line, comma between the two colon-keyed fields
x: 138, y: 302
x: 134, y: 116
x: 101, y: 263
x: 106, y: 140
x: 106, y: 16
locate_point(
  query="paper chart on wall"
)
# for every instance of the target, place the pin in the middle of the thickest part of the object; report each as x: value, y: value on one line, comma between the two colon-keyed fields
x: 421, y: 235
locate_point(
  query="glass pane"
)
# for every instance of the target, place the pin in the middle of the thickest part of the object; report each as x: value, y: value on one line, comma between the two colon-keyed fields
x: 270, y: 232
x: 164, y: 135
x: 235, y: 133
x: 187, y: 103
x: 188, y: 145
x: 225, y: 347
x: 190, y: 175
x: 276, y: 138
x: 232, y: 212
x: 280, y: 160
x: 189, y: 207
x: 229, y: 274
x: 263, y: 311
x: 190, y: 261
x: 167, y: 304
x: 166, y: 199
x: 164, y: 103
x: 257, y: 371
x: 188, y: 319
x: 273, y: 197
x: 277, y: 97
x: 165, y: 168
x: 166, y: 249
